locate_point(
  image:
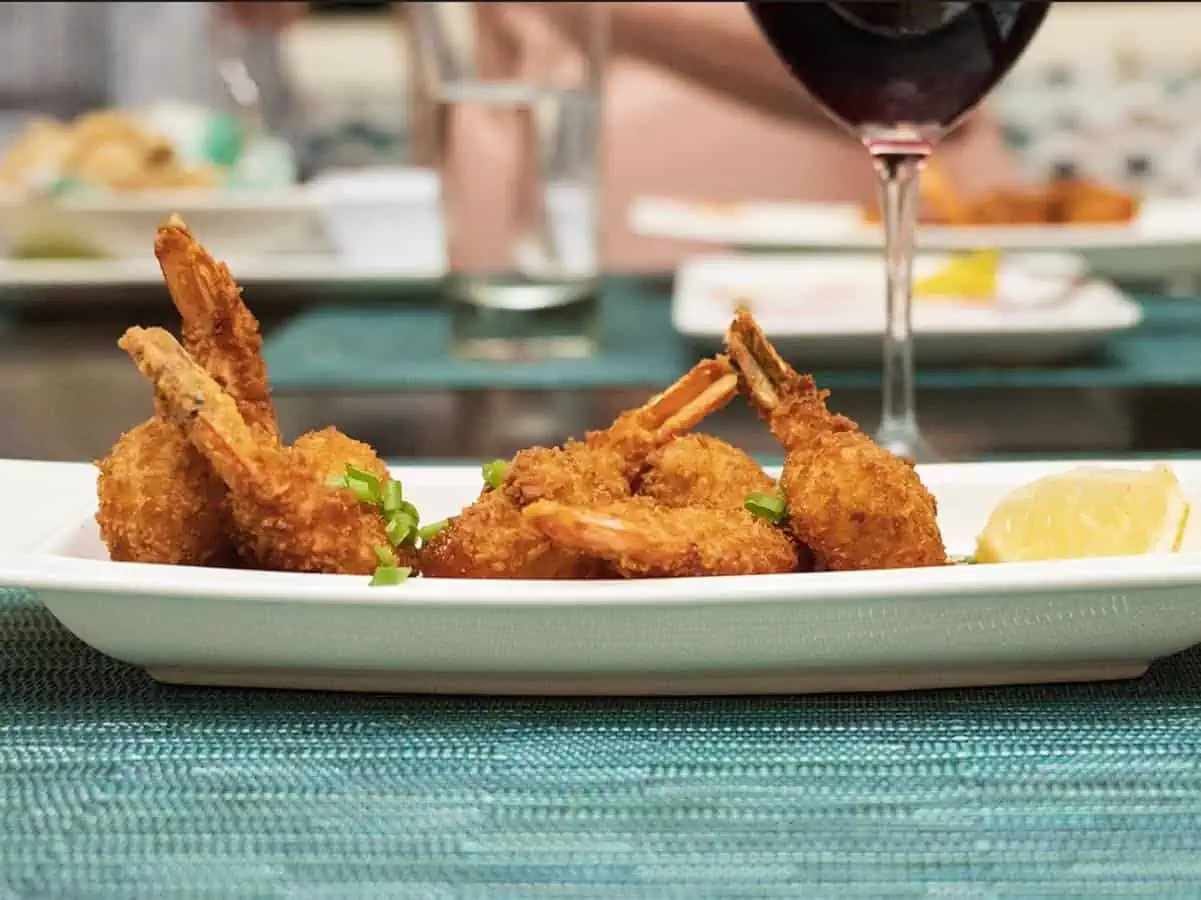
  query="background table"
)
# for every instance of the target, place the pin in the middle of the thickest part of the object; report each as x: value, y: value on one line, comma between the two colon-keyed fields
x: 403, y: 344
x: 376, y: 364
x: 1133, y: 393
x: 112, y: 786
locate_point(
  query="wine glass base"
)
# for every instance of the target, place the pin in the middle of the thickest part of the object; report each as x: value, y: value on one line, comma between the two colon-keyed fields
x: 907, y: 442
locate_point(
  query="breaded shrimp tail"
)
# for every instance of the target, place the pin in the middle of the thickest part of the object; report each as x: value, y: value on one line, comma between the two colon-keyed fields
x: 854, y: 504
x: 208, y: 415
x: 158, y: 499
x: 286, y: 513
x: 220, y: 332
x: 791, y: 403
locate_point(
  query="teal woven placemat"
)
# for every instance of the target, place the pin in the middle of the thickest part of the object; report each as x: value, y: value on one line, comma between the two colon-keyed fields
x: 111, y: 786
x: 405, y: 346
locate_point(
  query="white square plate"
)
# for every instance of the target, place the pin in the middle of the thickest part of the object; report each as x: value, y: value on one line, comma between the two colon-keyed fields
x: 829, y: 309
x: 837, y: 631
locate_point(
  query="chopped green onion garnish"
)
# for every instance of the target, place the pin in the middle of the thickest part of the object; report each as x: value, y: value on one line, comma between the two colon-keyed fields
x: 392, y: 495
x: 386, y: 576
x: 494, y: 472
x: 385, y: 555
x: 428, y: 531
x: 365, y: 485
x: 766, y: 506
x: 399, y: 528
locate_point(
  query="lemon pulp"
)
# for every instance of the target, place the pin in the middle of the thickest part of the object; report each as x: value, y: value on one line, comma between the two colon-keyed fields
x: 1091, y: 511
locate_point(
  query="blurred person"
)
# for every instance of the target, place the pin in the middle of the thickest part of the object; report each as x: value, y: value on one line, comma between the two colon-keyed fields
x: 697, y: 106
x: 61, y: 59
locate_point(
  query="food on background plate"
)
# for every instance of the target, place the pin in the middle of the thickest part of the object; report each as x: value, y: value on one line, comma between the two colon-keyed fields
x: 109, y: 149
x: 1058, y: 202
x: 1091, y: 511
x: 972, y: 276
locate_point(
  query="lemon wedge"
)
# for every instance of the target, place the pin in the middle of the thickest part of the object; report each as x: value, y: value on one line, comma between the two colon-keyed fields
x: 970, y: 277
x: 1089, y: 512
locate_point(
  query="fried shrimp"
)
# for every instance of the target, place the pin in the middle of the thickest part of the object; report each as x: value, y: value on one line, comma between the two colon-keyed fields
x: 642, y: 539
x: 286, y: 511
x: 688, y: 519
x: 606, y: 463
x: 159, y: 500
x: 491, y: 539
x: 854, y: 504
x: 700, y: 470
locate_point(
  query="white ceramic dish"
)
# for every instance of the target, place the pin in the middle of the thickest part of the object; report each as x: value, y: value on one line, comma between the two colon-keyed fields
x: 121, y: 226
x: 382, y: 214
x: 52, y: 280
x: 829, y: 309
x: 1164, y: 240
x: 961, y: 625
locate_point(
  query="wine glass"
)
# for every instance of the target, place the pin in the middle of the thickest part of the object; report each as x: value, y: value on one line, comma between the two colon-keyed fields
x: 900, y: 74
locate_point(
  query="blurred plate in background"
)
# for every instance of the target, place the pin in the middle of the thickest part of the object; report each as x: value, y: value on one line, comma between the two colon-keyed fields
x: 231, y: 223
x: 1163, y: 240
x: 38, y: 281
x: 829, y: 310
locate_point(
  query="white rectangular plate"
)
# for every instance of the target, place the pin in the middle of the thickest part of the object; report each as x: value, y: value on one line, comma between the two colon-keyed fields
x: 839, y: 631
x: 60, y: 280
x: 122, y: 226
x: 1163, y: 240
x: 829, y: 309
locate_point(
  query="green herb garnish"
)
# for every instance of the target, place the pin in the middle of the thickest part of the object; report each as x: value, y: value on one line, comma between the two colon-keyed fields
x: 494, y: 472
x: 770, y: 507
x: 399, y: 529
x: 365, y: 485
x: 388, y: 576
x: 428, y: 531
x: 392, y: 496
x: 963, y: 560
x: 402, y: 522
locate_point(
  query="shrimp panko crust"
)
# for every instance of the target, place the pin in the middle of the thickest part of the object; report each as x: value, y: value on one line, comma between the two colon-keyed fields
x: 158, y: 499
x: 288, y: 514
x: 701, y: 470
x: 642, y: 539
x: 853, y: 503
x: 688, y: 519
x: 491, y: 538
x: 605, y: 464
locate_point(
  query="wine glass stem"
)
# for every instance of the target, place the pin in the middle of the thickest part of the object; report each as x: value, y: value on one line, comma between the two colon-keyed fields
x: 899, y: 177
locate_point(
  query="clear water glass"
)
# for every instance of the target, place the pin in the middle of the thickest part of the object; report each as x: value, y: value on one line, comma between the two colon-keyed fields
x: 523, y: 222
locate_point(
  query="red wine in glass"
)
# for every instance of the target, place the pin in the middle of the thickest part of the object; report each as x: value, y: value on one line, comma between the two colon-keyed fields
x: 899, y: 74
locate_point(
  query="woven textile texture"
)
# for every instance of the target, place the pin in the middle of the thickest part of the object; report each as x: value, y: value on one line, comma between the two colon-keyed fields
x: 111, y: 786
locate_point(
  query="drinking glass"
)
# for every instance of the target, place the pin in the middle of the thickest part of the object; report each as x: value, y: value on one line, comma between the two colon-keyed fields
x: 899, y: 74
x: 518, y: 145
